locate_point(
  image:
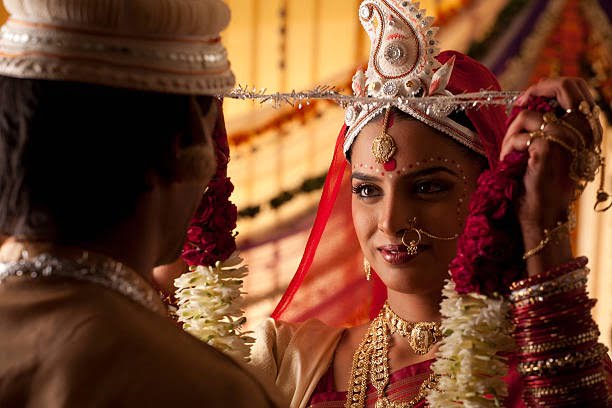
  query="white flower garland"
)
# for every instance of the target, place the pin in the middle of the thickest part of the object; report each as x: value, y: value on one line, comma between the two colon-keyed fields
x: 476, y: 328
x: 210, y: 305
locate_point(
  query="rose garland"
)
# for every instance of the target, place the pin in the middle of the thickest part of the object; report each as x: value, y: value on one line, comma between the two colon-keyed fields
x: 476, y: 310
x: 209, y: 296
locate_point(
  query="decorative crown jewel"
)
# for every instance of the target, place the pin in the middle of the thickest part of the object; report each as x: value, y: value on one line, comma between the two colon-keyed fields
x: 402, y: 64
x: 156, y: 45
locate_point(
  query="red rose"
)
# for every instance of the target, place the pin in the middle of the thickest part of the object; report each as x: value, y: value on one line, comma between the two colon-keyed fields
x: 193, y: 234
x: 462, y: 276
x: 205, y: 210
x: 221, y: 189
x: 224, y: 218
x: 477, y: 226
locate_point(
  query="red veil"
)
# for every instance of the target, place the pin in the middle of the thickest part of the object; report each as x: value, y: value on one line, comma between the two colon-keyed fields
x: 330, y: 282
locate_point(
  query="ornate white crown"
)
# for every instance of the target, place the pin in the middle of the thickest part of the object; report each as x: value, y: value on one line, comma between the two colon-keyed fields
x: 158, y: 45
x: 402, y: 64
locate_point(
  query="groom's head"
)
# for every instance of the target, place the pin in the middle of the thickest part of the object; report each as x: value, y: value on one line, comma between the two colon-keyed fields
x: 102, y: 106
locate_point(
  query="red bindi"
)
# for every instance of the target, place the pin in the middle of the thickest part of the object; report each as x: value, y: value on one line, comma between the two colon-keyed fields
x: 390, y: 165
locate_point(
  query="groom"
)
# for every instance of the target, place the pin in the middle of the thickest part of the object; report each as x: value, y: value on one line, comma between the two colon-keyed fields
x: 105, y: 150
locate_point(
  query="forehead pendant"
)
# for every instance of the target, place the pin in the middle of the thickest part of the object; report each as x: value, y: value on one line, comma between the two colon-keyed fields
x: 383, y: 146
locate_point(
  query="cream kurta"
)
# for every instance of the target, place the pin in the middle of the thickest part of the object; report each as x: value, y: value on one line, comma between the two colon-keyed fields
x: 65, y: 343
x: 293, y: 358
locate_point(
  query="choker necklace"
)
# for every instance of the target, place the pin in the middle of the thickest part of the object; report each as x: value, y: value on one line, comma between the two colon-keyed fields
x: 88, y: 267
x: 421, y: 335
x: 371, y: 359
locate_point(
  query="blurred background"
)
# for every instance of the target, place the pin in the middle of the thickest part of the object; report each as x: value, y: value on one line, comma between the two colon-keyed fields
x: 280, y: 156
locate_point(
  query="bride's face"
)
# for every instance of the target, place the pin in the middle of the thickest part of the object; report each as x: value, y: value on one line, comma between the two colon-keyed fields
x: 432, y: 182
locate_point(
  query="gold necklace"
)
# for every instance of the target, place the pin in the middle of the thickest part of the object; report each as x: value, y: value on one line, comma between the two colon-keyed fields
x: 372, y: 358
x: 421, y: 335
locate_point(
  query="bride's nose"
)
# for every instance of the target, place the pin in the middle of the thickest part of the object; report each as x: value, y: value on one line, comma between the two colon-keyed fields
x: 394, y: 216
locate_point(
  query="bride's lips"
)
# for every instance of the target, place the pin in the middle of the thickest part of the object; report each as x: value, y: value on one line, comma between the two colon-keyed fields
x: 396, y: 254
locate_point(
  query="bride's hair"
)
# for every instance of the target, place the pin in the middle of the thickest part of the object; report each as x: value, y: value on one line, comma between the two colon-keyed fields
x: 459, y: 117
x: 75, y: 157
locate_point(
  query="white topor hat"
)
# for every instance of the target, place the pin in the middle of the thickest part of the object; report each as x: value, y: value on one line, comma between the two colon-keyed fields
x: 168, y: 46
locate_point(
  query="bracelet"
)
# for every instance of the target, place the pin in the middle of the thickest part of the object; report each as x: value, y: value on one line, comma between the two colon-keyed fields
x: 585, y: 162
x: 544, y: 287
x: 548, y: 335
x: 592, y: 116
x: 569, y: 287
x: 587, y: 381
x: 557, y: 271
x: 562, y: 379
x: 579, y: 313
x: 570, y: 360
x: 559, y: 343
x: 548, y: 237
x: 551, y: 118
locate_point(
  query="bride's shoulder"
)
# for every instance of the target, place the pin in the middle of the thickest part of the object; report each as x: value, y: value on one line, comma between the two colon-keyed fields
x: 282, y: 332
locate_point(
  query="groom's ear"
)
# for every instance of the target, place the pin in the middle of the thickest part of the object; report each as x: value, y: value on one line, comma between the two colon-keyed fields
x: 194, y: 151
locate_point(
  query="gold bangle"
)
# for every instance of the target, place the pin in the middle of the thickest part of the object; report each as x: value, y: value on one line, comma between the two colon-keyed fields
x: 548, y: 236
x: 561, y: 342
x: 552, y: 365
x: 587, y: 381
x: 544, y: 288
x: 580, y: 284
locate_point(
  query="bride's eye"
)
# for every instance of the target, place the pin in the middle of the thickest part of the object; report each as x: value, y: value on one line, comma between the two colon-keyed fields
x: 365, y: 190
x: 429, y: 187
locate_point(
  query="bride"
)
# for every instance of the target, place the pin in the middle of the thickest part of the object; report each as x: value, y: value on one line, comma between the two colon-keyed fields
x: 406, y: 176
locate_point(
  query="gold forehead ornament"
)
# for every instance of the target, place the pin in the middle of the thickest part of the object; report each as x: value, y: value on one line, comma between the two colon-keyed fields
x: 383, y: 146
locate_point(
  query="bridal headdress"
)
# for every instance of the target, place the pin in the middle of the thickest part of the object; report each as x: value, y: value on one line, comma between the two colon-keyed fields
x: 403, y: 63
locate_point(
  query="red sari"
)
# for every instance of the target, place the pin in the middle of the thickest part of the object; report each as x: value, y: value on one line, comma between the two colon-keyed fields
x: 404, y: 385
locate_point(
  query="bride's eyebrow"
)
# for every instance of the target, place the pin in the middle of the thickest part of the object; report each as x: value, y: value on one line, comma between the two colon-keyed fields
x: 364, y: 177
x: 430, y: 170
x: 417, y: 173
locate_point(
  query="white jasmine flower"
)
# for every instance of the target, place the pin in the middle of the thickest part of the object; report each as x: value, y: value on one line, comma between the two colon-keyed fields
x: 477, y: 328
x: 210, y: 306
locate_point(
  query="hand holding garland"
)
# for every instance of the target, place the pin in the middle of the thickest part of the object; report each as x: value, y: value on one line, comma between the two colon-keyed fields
x: 556, y: 145
x: 560, y: 358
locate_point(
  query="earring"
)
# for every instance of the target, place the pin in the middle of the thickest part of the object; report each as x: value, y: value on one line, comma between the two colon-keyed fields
x: 367, y: 269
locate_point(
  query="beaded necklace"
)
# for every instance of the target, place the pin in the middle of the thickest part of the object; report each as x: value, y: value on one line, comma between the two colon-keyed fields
x: 96, y: 269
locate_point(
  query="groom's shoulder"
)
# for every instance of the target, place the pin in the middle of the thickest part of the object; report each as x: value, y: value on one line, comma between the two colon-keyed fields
x: 154, y: 362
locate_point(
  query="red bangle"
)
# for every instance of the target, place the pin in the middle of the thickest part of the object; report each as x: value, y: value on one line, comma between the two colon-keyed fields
x: 551, y: 313
x: 572, y: 265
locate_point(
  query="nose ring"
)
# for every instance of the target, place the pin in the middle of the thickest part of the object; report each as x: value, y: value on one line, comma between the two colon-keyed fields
x: 412, y: 246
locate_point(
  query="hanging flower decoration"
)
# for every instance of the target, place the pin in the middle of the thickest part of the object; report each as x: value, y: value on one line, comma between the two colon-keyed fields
x: 209, y: 295
x: 210, y: 305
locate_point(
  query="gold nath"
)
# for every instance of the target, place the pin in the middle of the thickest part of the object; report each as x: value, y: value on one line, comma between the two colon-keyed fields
x: 371, y: 359
x: 383, y: 146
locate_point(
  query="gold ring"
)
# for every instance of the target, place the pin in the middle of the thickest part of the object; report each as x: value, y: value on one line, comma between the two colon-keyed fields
x: 534, y: 135
x: 550, y: 118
